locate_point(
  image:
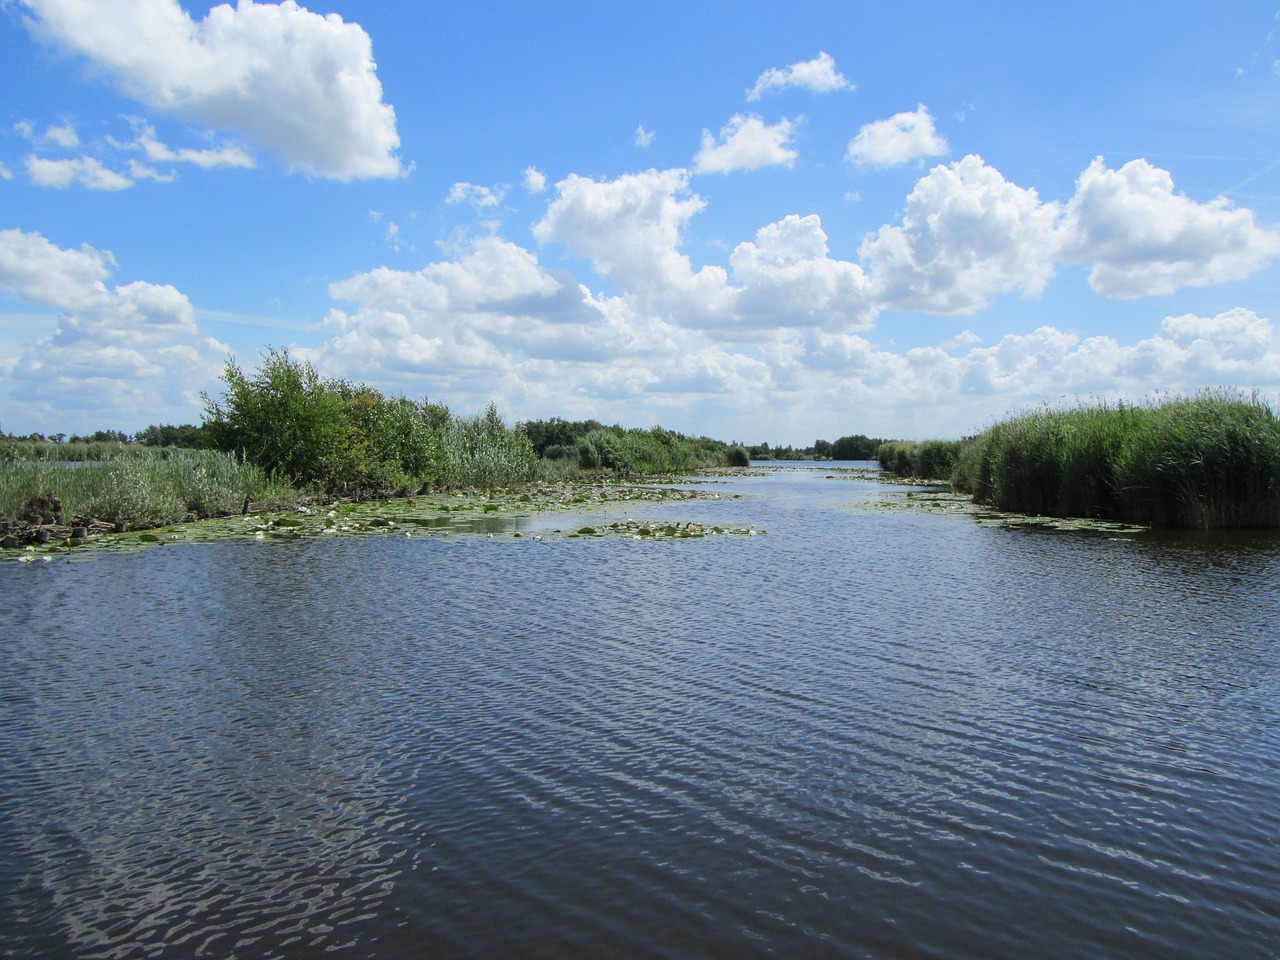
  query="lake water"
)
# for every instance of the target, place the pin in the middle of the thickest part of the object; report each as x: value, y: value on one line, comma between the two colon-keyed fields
x: 867, y: 733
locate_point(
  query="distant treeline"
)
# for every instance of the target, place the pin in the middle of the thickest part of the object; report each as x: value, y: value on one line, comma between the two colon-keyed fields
x: 306, y: 430
x: 1211, y: 460
x: 856, y: 447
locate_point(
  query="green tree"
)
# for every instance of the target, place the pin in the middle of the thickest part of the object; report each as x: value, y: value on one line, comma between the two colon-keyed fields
x: 286, y: 420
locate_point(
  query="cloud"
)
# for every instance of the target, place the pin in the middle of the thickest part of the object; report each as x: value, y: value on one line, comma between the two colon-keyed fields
x: 83, y: 171
x: 535, y: 181
x: 900, y: 139
x: 966, y: 235
x: 39, y: 271
x: 113, y: 351
x: 788, y: 279
x: 1145, y: 240
x: 467, y: 323
x: 63, y: 136
x: 747, y: 143
x: 141, y: 171
x: 228, y: 155
x: 818, y: 76
x: 300, y: 84
x: 644, y: 137
x: 478, y: 196
x: 630, y: 229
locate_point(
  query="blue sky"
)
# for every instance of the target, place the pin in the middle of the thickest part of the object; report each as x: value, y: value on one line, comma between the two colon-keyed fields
x: 754, y: 221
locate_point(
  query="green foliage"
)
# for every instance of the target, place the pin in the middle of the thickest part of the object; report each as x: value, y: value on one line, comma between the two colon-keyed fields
x: 143, y: 491
x: 286, y: 420
x: 481, y: 451
x: 332, y: 434
x: 648, y: 452
x: 558, y: 435
x: 1212, y: 460
x: 738, y: 456
x: 929, y: 460
x: 856, y: 447
x: 188, y: 435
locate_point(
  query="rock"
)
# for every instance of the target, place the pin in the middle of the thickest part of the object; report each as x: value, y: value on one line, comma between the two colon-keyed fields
x: 9, y: 541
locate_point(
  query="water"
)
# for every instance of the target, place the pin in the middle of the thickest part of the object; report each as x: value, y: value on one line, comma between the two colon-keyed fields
x: 866, y: 734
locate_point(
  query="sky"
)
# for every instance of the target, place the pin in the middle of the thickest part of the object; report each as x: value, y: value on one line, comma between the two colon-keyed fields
x: 755, y: 221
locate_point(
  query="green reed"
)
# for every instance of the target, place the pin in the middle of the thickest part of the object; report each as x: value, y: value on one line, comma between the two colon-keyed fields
x: 1211, y: 460
x: 927, y: 460
x: 143, y: 491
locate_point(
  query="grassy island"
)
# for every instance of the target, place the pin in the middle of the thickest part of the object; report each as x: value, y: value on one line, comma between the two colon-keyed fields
x: 283, y: 437
x: 1207, y: 461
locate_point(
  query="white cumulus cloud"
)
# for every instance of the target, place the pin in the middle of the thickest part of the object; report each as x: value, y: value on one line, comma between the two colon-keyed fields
x: 900, y: 139
x: 227, y: 155
x: 788, y: 279
x: 818, y: 75
x: 630, y: 229
x: 112, y: 352
x: 746, y: 143
x: 64, y: 136
x: 535, y: 181
x: 1144, y: 240
x: 300, y: 84
x: 967, y: 234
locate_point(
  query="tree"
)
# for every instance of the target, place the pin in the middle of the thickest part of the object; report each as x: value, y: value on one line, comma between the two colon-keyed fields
x: 286, y: 420
x: 856, y: 447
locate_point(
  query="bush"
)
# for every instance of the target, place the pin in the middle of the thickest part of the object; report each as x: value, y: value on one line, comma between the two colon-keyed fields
x: 287, y: 421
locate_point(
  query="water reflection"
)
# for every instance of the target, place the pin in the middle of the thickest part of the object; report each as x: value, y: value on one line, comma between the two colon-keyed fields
x: 880, y: 734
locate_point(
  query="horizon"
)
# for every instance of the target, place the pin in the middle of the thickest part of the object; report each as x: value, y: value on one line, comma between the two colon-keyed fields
x: 734, y: 221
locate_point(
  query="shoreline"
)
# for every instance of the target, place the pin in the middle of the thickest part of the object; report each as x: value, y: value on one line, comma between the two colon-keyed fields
x: 461, y: 512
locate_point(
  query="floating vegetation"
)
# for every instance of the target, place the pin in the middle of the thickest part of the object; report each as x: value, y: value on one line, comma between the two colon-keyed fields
x: 940, y: 501
x: 521, y: 514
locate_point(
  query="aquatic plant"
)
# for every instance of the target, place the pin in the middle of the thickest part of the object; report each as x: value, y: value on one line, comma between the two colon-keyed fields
x: 1211, y: 460
x: 482, y: 451
x: 141, y: 491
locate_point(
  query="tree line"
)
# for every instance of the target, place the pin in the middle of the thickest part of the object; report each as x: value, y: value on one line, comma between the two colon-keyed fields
x: 306, y: 429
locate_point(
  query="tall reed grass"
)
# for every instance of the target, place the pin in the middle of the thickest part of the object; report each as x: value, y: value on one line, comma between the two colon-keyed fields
x: 927, y: 460
x: 144, y: 491
x: 1211, y: 460
x: 13, y: 449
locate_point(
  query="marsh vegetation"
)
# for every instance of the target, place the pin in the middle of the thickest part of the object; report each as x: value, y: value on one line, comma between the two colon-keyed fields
x: 283, y: 435
x: 1206, y: 461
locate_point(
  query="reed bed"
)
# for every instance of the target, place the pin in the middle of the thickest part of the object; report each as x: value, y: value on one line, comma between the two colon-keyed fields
x: 143, y: 491
x: 1211, y: 460
x: 928, y: 460
x: 13, y: 449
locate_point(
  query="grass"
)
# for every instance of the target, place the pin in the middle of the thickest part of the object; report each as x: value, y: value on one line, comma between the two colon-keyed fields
x: 146, y: 490
x: 1211, y: 460
x: 928, y: 460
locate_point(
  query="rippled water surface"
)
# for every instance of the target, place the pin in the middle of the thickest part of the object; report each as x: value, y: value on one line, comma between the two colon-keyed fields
x: 865, y: 734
